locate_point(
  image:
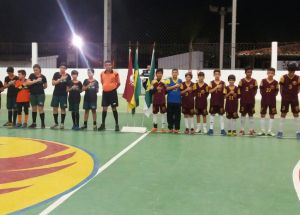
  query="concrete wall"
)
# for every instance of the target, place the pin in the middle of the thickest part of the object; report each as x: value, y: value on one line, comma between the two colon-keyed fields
x: 259, y: 75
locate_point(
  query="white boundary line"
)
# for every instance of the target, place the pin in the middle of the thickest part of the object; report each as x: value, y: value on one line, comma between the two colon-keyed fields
x: 296, y: 179
x: 62, y: 199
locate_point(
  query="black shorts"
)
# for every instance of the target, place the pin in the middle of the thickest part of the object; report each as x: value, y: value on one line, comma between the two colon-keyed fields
x: 110, y: 99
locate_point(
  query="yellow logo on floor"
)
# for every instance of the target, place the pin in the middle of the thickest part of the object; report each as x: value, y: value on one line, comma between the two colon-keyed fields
x: 33, y: 171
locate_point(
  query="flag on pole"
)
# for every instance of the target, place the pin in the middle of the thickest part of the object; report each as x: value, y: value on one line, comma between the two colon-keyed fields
x: 134, y: 79
x: 129, y: 87
x: 148, y: 94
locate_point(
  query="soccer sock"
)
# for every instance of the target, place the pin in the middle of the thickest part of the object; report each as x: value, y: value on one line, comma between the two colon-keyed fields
x: 115, y: 113
x: 104, y: 114
x: 19, y: 119
x: 10, y: 114
x: 229, y: 124
x: 74, y: 118
x: 212, y: 122
x: 204, y: 125
x: 281, y: 122
x: 199, y: 126
x: 15, y: 114
x: 262, y: 124
x: 163, y: 120
x: 63, y: 117
x: 77, y: 118
x: 34, y: 114
x: 191, y: 119
x: 186, y: 121
x: 297, y: 121
x: 222, y: 122
x: 243, y: 121
x: 26, y: 118
x: 234, y: 125
x: 95, y: 123
x: 155, y: 120
x: 55, y: 116
x: 251, y: 122
x: 42, y: 116
x: 271, y: 124
x: 85, y: 123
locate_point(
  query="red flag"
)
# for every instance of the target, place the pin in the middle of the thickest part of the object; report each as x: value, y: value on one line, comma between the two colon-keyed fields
x: 129, y: 87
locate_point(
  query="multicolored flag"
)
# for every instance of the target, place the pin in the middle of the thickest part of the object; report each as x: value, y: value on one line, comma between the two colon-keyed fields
x: 129, y: 87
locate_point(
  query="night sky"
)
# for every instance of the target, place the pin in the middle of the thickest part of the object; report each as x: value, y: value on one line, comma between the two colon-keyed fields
x: 164, y: 21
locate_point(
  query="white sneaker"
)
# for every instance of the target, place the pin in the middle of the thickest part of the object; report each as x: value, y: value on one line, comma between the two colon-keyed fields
x: 204, y: 130
x: 198, y: 130
x: 262, y: 133
x: 271, y: 134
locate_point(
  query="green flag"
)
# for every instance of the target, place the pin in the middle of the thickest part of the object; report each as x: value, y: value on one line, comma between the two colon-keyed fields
x: 148, y: 94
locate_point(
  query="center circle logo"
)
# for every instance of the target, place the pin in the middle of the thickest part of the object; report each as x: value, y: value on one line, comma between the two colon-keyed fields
x: 36, y: 171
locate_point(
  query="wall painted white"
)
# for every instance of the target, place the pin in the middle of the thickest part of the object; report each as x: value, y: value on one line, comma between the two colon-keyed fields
x: 259, y: 75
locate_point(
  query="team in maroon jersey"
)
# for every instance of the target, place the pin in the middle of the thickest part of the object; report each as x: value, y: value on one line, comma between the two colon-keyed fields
x: 231, y: 100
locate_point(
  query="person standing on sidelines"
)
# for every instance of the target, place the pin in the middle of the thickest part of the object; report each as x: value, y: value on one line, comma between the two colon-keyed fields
x: 174, y: 102
x: 37, y: 84
x: 11, y: 97
x: 60, y: 81
x: 110, y: 81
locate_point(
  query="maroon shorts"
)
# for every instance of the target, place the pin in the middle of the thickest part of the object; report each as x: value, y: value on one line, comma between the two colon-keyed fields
x: 201, y: 111
x: 216, y: 110
x: 188, y: 111
x: 232, y: 115
x: 159, y: 108
x: 247, y: 109
x: 272, y: 109
x: 294, y: 106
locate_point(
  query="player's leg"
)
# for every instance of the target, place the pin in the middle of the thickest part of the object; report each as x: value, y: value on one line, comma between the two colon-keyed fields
x: 204, y: 124
x: 221, y: 112
x: 177, y: 117
x: 15, y: 110
x: 34, y: 109
x: 26, y: 114
x: 63, y: 101
x: 191, y: 121
x: 94, y: 114
x: 154, y: 117
x: 186, y: 123
x: 19, y: 122
x: 284, y: 111
x: 251, y: 112
x: 116, y: 117
x: 229, y: 123
x: 104, y: 114
x: 163, y: 110
x: 263, y: 112
x: 85, y: 118
x: 10, y: 112
x: 198, y: 118
x: 243, y: 119
x: 55, y: 105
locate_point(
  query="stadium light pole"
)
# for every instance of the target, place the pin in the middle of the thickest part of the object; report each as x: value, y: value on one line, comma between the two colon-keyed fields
x: 222, y: 11
x: 107, y: 30
x: 233, y: 33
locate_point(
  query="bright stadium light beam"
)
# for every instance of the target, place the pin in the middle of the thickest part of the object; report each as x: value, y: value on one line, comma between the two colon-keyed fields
x: 77, y: 41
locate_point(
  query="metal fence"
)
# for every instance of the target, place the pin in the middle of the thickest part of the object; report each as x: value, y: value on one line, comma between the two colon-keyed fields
x: 52, y: 54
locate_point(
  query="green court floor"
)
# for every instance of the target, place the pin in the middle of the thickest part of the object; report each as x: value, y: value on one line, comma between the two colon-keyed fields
x: 179, y: 174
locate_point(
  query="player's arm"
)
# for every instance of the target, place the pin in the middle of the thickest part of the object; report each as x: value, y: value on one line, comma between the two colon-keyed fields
x: 255, y: 88
x: 85, y: 86
x: 56, y: 80
x: 261, y: 88
x: 183, y: 91
x: 1, y: 86
x: 118, y: 80
x: 212, y: 90
x: 281, y: 82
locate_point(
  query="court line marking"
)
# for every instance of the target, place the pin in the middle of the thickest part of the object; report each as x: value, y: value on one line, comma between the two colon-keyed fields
x: 296, y: 179
x: 63, y: 198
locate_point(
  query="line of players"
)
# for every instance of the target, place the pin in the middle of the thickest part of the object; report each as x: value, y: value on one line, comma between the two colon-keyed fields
x: 191, y: 98
x: 23, y: 92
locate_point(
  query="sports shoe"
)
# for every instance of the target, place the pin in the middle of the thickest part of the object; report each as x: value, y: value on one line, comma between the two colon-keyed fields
x: 198, y: 130
x: 233, y: 133
x: 154, y: 130
x: 43, y: 126
x: 84, y: 127
x: 101, y: 128
x: 95, y: 127
x: 252, y: 133
x: 261, y: 133
x: 33, y: 125
x: 271, y: 134
x: 298, y: 135
x: 204, y: 130
x: 229, y: 133
x: 280, y: 135
x: 8, y: 124
x: 187, y: 131
x: 117, y: 128
x: 55, y: 126
x: 192, y: 131
x: 223, y: 132
x: 62, y: 127
x: 242, y: 133
x: 210, y: 132
x: 18, y: 125
x: 24, y: 125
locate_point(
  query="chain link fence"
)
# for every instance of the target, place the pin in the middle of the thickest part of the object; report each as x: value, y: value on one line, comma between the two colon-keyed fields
x: 182, y: 56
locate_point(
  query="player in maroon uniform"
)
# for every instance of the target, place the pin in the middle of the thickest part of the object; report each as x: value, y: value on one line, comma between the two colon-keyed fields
x: 188, y: 103
x: 216, y: 89
x: 201, y: 93
x: 248, y: 88
x: 232, y: 94
x: 289, y: 89
x: 269, y: 90
x: 159, y: 91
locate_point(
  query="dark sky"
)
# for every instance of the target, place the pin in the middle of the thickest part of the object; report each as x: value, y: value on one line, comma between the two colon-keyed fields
x: 165, y: 21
